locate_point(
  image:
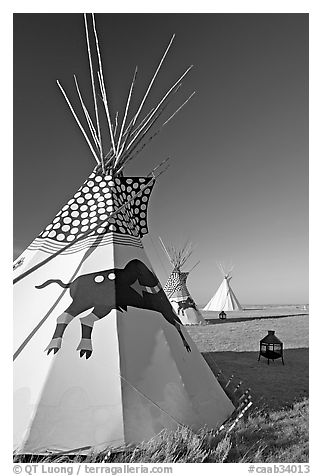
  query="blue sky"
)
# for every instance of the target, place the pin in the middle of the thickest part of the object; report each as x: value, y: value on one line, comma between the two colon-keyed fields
x: 238, y: 182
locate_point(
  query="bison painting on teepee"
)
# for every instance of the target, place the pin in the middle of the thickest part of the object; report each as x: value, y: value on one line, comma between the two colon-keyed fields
x: 101, y: 359
x: 176, y: 285
x: 224, y: 299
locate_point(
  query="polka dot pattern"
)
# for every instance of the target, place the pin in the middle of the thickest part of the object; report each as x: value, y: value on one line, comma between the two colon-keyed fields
x: 94, y: 201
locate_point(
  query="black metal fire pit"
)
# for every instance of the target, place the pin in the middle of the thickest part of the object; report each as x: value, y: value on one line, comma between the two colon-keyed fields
x: 271, y: 347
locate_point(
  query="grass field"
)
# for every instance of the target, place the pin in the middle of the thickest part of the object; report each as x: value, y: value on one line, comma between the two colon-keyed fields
x: 276, y: 428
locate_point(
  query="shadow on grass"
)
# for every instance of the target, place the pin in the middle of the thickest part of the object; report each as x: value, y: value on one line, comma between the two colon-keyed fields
x: 211, y: 321
x: 273, y: 386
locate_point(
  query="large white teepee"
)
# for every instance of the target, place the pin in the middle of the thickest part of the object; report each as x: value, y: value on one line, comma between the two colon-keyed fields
x: 224, y: 298
x: 176, y: 285
x: 101, y: 359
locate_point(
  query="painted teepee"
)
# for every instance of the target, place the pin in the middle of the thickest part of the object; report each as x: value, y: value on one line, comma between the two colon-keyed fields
x: 101, y: 359
x: 224, y: 298
x: 176, y: 285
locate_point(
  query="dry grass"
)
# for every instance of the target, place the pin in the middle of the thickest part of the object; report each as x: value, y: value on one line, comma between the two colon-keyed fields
x: 275, y: 437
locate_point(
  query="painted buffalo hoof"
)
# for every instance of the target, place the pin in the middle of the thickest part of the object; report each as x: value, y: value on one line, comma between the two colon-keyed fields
x: 85, y: 348
x: 87, y: 353
x: 55, y: 349
x: 54, y: 344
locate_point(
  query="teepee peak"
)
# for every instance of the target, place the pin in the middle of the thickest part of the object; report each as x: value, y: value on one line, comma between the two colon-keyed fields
x: 178, y: 256
x: 225, y: 270
x: 116, y: 139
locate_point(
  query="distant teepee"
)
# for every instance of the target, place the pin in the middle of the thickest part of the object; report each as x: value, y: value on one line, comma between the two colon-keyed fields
x: 224, y: 299
x: 176, y: 287
x: 101, y: 359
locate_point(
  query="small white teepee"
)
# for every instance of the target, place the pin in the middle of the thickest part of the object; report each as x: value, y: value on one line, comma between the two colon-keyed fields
x: 101, y: 359
x: 176, y: 285
x: 224, y: 298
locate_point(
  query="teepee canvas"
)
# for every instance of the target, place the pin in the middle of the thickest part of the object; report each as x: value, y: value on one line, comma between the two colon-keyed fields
x: 224, y: 298
x: 176, y: 285
x: 101, y: 359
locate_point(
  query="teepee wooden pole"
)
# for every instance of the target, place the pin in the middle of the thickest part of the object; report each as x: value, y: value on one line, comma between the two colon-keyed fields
x: 174, y: 86
x: 153, y: 78
x: 149, y: 88
x: 222, y: 269
x: 125, y: 115
x: 130, y: 155
x: 116, y: 123
x: 194, y: 266
x: 156, y: 109
x: 165, y: 250
x: 131, y: 132
x: 141, y: 132
x: 146, y: 125
x: 145, y: 118
x: 103, y: 91
x: 126, y: 132
x: 93, y: 89
x: 177, y: 110
x: 87, y: 116
x: 78, y: 122
x: 107, y: 112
